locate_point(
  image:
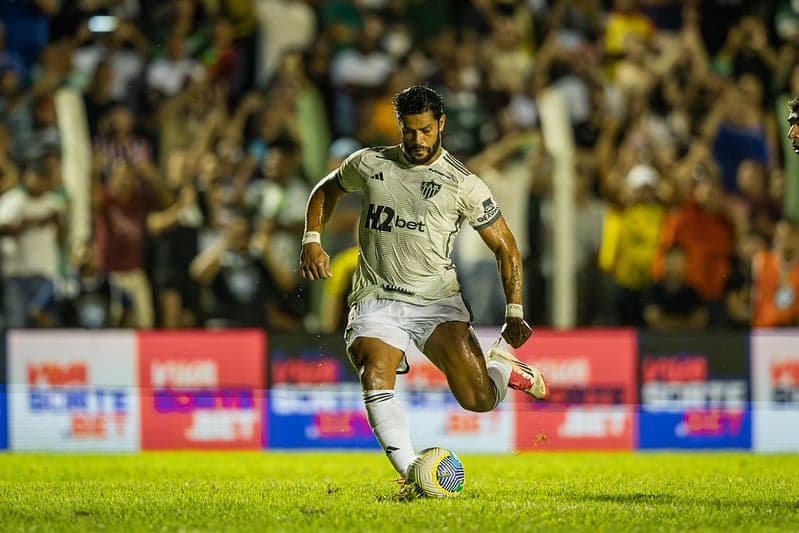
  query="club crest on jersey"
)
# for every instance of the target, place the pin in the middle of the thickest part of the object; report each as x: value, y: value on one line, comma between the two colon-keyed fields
x: 430, y: 189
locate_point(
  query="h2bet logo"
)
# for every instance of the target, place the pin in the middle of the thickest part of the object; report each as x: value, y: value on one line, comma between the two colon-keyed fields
x: 384, y: 218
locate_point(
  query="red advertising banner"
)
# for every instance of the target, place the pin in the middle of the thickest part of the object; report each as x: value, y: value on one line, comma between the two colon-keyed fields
x: 202, y: 389
x: 592, y: 377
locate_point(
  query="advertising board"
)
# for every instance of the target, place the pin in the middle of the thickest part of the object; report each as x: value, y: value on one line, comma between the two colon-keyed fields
x: 315, y: 399
x: 202, y: 389
x: 775, y: 390
x: 72, y: 391
x: 694, y: 390
x: 591, y: 374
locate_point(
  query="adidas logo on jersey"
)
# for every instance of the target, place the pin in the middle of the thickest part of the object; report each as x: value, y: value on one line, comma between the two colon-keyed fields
x: 384, y: 218
x: 378, y: 177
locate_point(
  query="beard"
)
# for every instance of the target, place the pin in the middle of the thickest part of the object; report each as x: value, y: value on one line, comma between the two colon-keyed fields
x: 424, y: 153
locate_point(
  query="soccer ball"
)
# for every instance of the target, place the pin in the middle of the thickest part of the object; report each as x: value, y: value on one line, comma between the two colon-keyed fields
x: 436, y: 473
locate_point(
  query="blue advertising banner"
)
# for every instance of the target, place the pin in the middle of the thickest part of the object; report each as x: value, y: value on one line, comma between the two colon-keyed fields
x: 318, y: 418
x: 314, y: 397
x: 3, y: 401
x: 694, y: 391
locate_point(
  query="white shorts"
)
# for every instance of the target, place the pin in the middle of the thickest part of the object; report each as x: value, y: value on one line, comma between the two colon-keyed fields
x: 399, y: 323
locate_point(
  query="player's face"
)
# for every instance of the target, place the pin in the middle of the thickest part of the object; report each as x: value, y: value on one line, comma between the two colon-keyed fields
x: 793, y: 130
x: 421, y: 136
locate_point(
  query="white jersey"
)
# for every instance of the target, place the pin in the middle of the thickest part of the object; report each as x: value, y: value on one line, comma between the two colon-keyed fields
x: 409, y: 219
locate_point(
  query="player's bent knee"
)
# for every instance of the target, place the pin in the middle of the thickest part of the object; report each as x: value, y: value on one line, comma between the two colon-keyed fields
x: 376, y: 367
x: 376, y: 371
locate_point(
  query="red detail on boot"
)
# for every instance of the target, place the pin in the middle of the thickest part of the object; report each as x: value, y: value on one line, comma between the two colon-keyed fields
x: 519, y: 382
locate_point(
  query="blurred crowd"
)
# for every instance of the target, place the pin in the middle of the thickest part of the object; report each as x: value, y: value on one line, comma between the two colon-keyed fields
x: 204, y: 125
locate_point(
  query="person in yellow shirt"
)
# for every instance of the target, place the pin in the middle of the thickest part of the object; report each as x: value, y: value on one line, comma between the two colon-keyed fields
x: 630, y: 240
x: 625, y: 20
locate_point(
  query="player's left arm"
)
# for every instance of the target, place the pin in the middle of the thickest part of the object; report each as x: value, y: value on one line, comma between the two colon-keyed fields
x: 500, y: 240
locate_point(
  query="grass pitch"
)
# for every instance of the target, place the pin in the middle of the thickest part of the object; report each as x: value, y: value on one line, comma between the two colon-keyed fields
x: 346, y: 492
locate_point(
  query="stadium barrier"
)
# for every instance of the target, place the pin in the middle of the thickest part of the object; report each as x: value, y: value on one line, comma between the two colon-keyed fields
x: 614, y: 389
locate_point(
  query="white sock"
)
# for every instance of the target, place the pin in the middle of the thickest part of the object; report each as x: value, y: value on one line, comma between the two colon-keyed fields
x: 390, y: 425
x: 499, y: 372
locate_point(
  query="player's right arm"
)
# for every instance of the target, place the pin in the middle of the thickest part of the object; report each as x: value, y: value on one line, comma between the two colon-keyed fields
x: 314, y: 261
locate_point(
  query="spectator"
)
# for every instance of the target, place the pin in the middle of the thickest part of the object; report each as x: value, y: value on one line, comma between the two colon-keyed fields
x: 466, y: 115
x: 244, y: 280
x: 44, y: 133
x: 738, y: 292
x: 625, y: 21
x: 9, y: 171
x: 10, y: 59
x: 118, y: 138
x: 98, y: 98
x: 358, y: 73
x: 751, y: 207
x: 701, y: 228
x: 775, y: 296
x: 175, y: 243
x: 505, y: 54
x: 306, y: 120
x: 124, y: 48
x: 630, y: 238
x: 15, y: 109
x: 220, y: 56
x: 120, y: 210
x: 275, y: 198
x: 32, y: 222
x: 28, y: 25
x: 185, y: 18
x: 747, y: 51
x: 671, y: 303
x: 285, y: 25
x: 89, y: 299
x: 737, y: 129
x: 168, y: 74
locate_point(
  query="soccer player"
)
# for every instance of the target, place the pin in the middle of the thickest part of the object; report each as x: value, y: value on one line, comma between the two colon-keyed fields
x: 793, y: 123
x: 416, y: 196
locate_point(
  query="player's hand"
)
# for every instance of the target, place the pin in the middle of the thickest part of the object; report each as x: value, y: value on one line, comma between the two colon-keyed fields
x: 314, y: 262
x: 516, y: 331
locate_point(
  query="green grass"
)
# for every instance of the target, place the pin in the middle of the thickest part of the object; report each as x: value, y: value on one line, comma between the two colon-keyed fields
x: 352, y: 492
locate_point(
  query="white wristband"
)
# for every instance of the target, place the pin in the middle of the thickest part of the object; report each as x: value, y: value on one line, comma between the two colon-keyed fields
x: 311, y: 236
x: 514, y: 311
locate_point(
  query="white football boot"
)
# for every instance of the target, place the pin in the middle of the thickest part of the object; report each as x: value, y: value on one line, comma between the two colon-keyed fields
x: 523, y: 377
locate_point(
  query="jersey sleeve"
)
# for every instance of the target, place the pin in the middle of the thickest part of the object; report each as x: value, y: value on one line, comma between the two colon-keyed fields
x: 348, y: 174
x: 477, y: 204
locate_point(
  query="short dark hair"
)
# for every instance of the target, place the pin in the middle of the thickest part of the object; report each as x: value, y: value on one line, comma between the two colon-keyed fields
x: 418, y: 99
x: 793, y: 105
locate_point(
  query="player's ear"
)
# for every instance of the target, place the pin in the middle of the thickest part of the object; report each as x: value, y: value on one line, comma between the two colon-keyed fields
x: 441, y: 121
